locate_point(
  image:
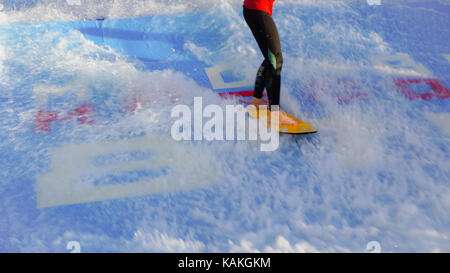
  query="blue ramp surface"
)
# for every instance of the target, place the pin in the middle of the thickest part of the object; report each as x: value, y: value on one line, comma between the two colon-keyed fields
x: 88, y: 154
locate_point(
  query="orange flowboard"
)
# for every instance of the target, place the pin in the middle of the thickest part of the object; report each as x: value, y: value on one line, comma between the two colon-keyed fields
x: 299, y: 128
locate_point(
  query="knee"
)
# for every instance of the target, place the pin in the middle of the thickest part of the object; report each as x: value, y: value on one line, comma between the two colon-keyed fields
x: 276, y: 60
x: 279, y: 58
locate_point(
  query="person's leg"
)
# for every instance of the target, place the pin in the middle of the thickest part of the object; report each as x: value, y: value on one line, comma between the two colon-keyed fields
x: 273, y: 74
x: 260, y: 81
x: 253, y: 20
x: 266, y: 35
x: 274, y: 57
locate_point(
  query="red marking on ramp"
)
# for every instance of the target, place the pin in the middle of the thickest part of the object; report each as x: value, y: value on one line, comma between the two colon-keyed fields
x: 84, y: 114
x: 403, y: 85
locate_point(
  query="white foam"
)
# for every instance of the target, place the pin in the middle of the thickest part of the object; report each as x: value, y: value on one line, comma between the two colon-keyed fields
x: 161, y: 242
x: 2, y: 58
x: 329, y: 197
x: 73, y: 10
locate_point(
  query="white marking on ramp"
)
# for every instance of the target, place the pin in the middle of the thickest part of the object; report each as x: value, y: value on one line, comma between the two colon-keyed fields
x: 185, y: 167
x: 441, y: 120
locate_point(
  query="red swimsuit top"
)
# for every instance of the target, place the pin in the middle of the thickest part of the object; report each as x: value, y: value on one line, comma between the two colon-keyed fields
x: 264, y: 5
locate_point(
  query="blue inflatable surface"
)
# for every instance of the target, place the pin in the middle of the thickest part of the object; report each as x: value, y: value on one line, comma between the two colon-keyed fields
x: 87, y: 154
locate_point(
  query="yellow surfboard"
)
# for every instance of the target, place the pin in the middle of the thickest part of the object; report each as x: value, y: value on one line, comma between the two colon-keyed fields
x: 299, y: 128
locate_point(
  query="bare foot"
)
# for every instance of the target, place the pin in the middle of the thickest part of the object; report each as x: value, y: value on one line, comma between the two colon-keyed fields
x: 285, y: 119
x: 257, y: 102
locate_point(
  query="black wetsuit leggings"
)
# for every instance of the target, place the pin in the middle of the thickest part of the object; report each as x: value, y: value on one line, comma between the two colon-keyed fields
x: 269, y: 73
